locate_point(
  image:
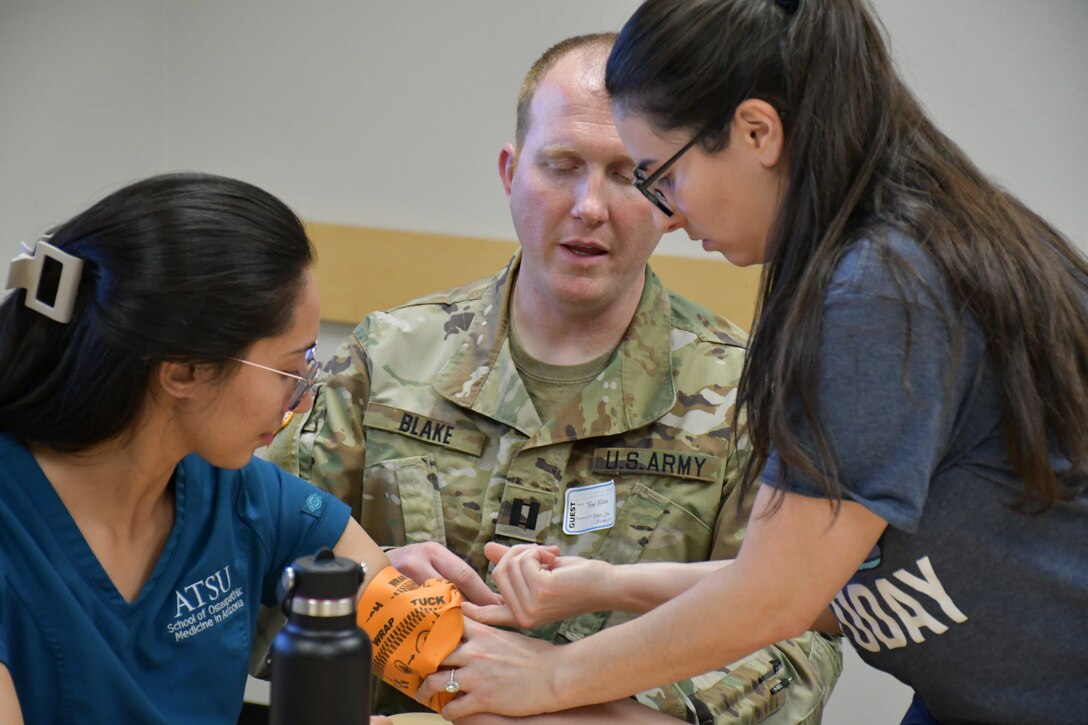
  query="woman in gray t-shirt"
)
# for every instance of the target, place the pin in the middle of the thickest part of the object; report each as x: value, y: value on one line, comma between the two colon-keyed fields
x: 915, y: 387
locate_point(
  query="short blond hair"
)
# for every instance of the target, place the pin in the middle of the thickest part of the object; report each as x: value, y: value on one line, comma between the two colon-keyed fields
x: 592, y: 41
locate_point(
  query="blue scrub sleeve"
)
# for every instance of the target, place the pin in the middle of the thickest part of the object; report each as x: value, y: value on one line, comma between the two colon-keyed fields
x: 293, y: 518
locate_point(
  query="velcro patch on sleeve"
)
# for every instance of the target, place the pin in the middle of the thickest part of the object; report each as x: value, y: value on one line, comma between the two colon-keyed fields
x: 314, y: 504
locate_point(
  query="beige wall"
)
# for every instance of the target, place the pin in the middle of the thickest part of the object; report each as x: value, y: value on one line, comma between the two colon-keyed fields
x: 361, y: 269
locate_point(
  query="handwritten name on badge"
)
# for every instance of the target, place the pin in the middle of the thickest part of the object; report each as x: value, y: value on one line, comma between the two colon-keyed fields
x: 589, y: 508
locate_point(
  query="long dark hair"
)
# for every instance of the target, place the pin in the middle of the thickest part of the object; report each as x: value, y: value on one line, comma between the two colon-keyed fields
x: 179, y: 267
x: 862, y: 153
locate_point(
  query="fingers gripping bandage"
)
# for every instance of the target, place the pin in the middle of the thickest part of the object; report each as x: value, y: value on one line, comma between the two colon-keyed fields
x: 413, y: 628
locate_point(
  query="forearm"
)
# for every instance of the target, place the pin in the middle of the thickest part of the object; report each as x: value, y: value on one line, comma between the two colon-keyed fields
x: 791, y: 566
x: 627, y: 711
x: 10, y: 712
x: 356, y: 545
x: 662, y: 646
x: 540, y: 587
x: 827, y: 623
x: 641, y: 587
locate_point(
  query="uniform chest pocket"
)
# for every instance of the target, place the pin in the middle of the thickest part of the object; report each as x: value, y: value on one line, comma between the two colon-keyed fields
x: 401, y: 502
x: 649, y: 527
x: 652, y: 527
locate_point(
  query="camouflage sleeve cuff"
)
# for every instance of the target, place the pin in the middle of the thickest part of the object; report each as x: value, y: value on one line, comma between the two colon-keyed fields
x: 786, y: 683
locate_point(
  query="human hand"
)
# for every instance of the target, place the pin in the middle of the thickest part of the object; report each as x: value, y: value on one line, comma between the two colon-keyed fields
x: 498, y: 672
x: 539, y: 586
x: 430, y: 560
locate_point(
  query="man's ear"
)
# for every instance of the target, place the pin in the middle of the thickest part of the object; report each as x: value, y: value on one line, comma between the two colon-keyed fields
x: 758, y: 125
x: 179, y: 380
x: 508, y: 161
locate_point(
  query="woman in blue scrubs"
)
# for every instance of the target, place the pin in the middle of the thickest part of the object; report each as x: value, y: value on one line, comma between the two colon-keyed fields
x: 153, y: 342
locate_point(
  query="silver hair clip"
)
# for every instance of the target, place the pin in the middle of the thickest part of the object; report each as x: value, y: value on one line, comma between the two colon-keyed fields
x: 55, y: 301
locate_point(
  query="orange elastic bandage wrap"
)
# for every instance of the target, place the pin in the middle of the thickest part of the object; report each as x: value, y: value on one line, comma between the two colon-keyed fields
x: 413, y: 628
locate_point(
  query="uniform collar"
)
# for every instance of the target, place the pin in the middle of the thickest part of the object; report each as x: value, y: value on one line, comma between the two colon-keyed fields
x: 635, y: 389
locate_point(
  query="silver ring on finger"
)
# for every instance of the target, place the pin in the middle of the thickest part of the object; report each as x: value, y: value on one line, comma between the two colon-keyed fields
x: 453, y: 687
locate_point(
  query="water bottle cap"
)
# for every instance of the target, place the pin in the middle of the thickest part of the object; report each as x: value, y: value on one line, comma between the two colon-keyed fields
x: 325, y: 576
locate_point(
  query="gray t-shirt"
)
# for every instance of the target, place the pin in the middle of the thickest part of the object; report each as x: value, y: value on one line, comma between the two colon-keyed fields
x: 980, y: 608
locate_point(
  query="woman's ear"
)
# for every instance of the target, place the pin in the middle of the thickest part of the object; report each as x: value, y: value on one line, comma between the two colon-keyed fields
x: 758, y: 125
x: 179, y: 380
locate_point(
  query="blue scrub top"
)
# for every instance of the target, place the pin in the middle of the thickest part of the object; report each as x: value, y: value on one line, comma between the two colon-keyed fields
x: 178, y: 653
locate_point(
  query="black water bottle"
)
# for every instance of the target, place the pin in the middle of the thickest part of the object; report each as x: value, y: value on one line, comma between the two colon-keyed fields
x: 320, y: 659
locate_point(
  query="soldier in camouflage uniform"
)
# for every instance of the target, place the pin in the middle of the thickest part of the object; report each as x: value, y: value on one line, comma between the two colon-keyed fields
x: 439, y: 422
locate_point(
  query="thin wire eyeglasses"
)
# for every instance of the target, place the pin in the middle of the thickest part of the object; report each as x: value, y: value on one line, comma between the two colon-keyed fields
x: 645, y: 184
x: 303, y: 383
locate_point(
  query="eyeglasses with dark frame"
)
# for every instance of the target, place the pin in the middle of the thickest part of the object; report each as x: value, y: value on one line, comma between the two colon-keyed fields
x: 645, y: 183
x: 303, y: 383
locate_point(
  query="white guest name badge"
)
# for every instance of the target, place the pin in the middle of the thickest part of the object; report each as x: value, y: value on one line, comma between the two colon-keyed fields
x: 590, y: 508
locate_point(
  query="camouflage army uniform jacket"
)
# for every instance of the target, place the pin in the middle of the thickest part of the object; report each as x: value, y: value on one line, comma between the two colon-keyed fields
x: 425, y: 428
